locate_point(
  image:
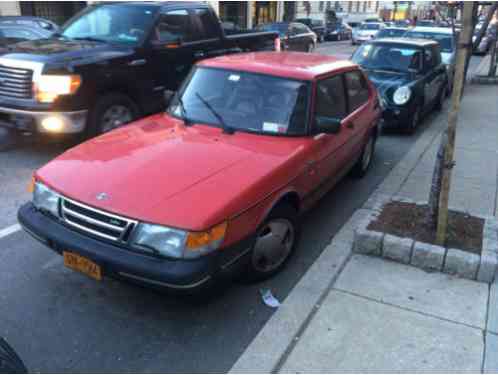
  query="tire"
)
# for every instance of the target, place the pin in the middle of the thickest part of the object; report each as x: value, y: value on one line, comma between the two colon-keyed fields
x: 414, y: 121
x: 10, y: 363
x: 310, y: 48
x: 362, y: 166
x: 339, y: 38
x: 113, y: 107
x: 283, y: 218
x: 438, y: 106
x: 321, y: 39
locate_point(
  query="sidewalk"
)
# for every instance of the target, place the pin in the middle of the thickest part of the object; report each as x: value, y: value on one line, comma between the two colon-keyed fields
x: 361, y: 314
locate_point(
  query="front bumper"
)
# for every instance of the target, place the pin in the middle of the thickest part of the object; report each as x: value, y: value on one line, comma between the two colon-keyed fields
x: 396, y: 116
x: 39, y: 121
x: 119, y: 262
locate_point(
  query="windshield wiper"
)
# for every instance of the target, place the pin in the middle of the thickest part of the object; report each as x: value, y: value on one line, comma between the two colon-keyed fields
x: 226, y: 129
x: 184, y: 112
x: 388, y: 69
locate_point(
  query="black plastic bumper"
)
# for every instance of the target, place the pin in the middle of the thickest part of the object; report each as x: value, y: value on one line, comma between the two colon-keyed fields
x: 120, y: 262
x: 397, y: 117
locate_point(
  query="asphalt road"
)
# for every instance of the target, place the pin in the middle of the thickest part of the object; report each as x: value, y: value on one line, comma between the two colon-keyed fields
x: 61, y: 321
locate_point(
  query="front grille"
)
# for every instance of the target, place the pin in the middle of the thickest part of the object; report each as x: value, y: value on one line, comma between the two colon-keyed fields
x: 16, y: 82
x: 96, y: 222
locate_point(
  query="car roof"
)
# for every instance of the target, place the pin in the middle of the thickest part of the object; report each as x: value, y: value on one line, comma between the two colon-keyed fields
x: 427, y: 29
x: 408, y: 41
x: 394, y: 28
x: 294, y: 65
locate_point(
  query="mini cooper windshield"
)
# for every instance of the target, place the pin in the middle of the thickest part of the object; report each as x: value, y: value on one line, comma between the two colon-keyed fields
x: 389, y: 57
x: 242, y: 101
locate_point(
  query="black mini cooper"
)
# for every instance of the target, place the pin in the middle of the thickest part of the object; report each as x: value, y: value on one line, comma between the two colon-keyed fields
x: 409, y: 76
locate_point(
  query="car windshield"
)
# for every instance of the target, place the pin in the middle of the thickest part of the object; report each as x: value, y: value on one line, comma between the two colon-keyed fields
x: 390, y: 57
x: 115, y: 23
x: 243, y: 101
x: 370, y: 26
x: 445, y: 40
x: 390, y: 33
x: 281, y: 28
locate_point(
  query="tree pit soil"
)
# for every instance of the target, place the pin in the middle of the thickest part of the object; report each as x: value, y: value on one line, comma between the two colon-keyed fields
x: 410, y: 220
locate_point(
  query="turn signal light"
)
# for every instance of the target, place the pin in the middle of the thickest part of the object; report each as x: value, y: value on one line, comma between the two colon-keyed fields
x: 201, y: 239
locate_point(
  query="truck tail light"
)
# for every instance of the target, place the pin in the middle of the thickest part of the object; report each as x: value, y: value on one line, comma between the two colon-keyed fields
x: 278, y: 46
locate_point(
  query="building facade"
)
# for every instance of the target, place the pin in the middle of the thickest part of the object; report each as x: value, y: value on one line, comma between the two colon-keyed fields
x: 348, y: 11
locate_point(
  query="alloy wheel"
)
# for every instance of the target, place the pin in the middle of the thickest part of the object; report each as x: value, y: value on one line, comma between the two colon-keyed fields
x: 273, y: 245
x: 114, y: 117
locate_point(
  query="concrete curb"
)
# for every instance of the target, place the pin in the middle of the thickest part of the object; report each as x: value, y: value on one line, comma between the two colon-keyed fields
x: 426, y: 256
x: 266, y: 354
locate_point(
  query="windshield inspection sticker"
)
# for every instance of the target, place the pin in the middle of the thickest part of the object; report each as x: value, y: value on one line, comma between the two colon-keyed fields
x: 274, y: 127
x: 234, y: 77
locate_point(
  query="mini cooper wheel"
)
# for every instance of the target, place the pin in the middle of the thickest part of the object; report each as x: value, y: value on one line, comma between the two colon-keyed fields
x: 276, y: 240
x: 361, y: 167
x: 414, y: 121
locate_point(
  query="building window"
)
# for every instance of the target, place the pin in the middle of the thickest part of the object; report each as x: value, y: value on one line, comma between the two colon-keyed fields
x: 320, y: 6
x: 233, y: 13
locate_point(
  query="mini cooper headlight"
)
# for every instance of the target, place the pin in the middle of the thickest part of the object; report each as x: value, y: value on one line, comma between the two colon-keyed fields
x: 402, y: 95
x: 45, y: 199
x: 176, y: 243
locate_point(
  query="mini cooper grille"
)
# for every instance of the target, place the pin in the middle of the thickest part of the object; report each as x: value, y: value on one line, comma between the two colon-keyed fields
x: 16, y: 82
x: 96, y: 222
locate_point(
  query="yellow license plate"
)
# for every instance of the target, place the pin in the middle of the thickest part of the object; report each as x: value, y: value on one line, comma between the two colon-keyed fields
x: 83, y: 265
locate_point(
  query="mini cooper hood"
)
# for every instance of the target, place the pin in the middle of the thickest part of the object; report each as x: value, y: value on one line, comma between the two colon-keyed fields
x: 157, y: 170
x: 386, y: 82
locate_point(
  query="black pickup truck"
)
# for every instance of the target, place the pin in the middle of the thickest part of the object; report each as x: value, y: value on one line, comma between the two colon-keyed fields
x: 110, y: 64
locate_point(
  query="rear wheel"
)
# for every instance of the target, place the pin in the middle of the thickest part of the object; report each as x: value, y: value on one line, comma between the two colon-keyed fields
x: 310, y: 47
x: 275, y: 242
x: 111, y: 112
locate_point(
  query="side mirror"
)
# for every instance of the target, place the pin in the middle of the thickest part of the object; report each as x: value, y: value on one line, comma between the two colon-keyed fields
x: 327, y: 125
x: 167, y: 96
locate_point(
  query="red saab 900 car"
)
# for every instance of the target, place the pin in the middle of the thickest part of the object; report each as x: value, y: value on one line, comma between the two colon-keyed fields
x: 215, y: 185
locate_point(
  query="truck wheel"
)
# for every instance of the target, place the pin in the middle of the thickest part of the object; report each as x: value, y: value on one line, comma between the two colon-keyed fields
x: 275, y: 242
x: 361, y: 167
x: 10, y: 363
x: 112, y: 111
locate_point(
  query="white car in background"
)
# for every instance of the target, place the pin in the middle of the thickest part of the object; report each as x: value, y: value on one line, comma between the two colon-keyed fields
x: 366, y: 31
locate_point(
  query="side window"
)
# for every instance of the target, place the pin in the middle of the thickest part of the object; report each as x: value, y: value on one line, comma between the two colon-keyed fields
x: 357, y: 90
x: 302, y: 29
x: 205, y: 25
x: 174, y: 25
x: 330, y: 99
x: 428, y: 59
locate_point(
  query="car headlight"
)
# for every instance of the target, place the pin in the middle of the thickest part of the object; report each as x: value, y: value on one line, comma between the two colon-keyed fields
x: 45, y: 199
x: 48, y: 87
x: 176, y: 243
x: 402, y: 95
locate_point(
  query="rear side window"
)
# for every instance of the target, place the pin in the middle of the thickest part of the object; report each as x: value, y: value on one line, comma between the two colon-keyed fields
x: 174, y: 25
x: 330, y: 99
x: 206, y: 26
x: 357, y: 90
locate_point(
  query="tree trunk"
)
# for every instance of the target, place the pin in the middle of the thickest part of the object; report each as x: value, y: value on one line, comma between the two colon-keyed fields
x: 449, y: 149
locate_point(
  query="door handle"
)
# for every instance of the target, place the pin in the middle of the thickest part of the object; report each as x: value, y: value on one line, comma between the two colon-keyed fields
x: 199, y: 54
x: 137, y: 62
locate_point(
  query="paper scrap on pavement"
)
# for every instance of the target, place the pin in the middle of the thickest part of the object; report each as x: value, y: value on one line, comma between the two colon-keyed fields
x: 269, y: 299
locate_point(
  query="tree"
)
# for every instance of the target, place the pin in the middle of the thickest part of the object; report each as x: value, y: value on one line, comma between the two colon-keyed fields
x: 440, y: 189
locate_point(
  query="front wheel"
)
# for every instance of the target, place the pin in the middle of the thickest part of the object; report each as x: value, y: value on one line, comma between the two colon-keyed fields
x: 414, y: 121
x: 361, y: 167
x: 276, y: 240
x: 310, y: 48
x: 111, y: 112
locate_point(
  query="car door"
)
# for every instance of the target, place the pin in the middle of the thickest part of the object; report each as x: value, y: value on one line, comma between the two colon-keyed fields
x: 293, y: 38
x: 431, y: 77
x: 330, y: 149
x: 360, y: 116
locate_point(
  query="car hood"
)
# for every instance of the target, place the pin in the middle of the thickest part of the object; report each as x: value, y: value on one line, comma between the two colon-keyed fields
x: 386, y: 82
x: 157, y: 170
x: 366, y: 32
x: 58, y: 50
